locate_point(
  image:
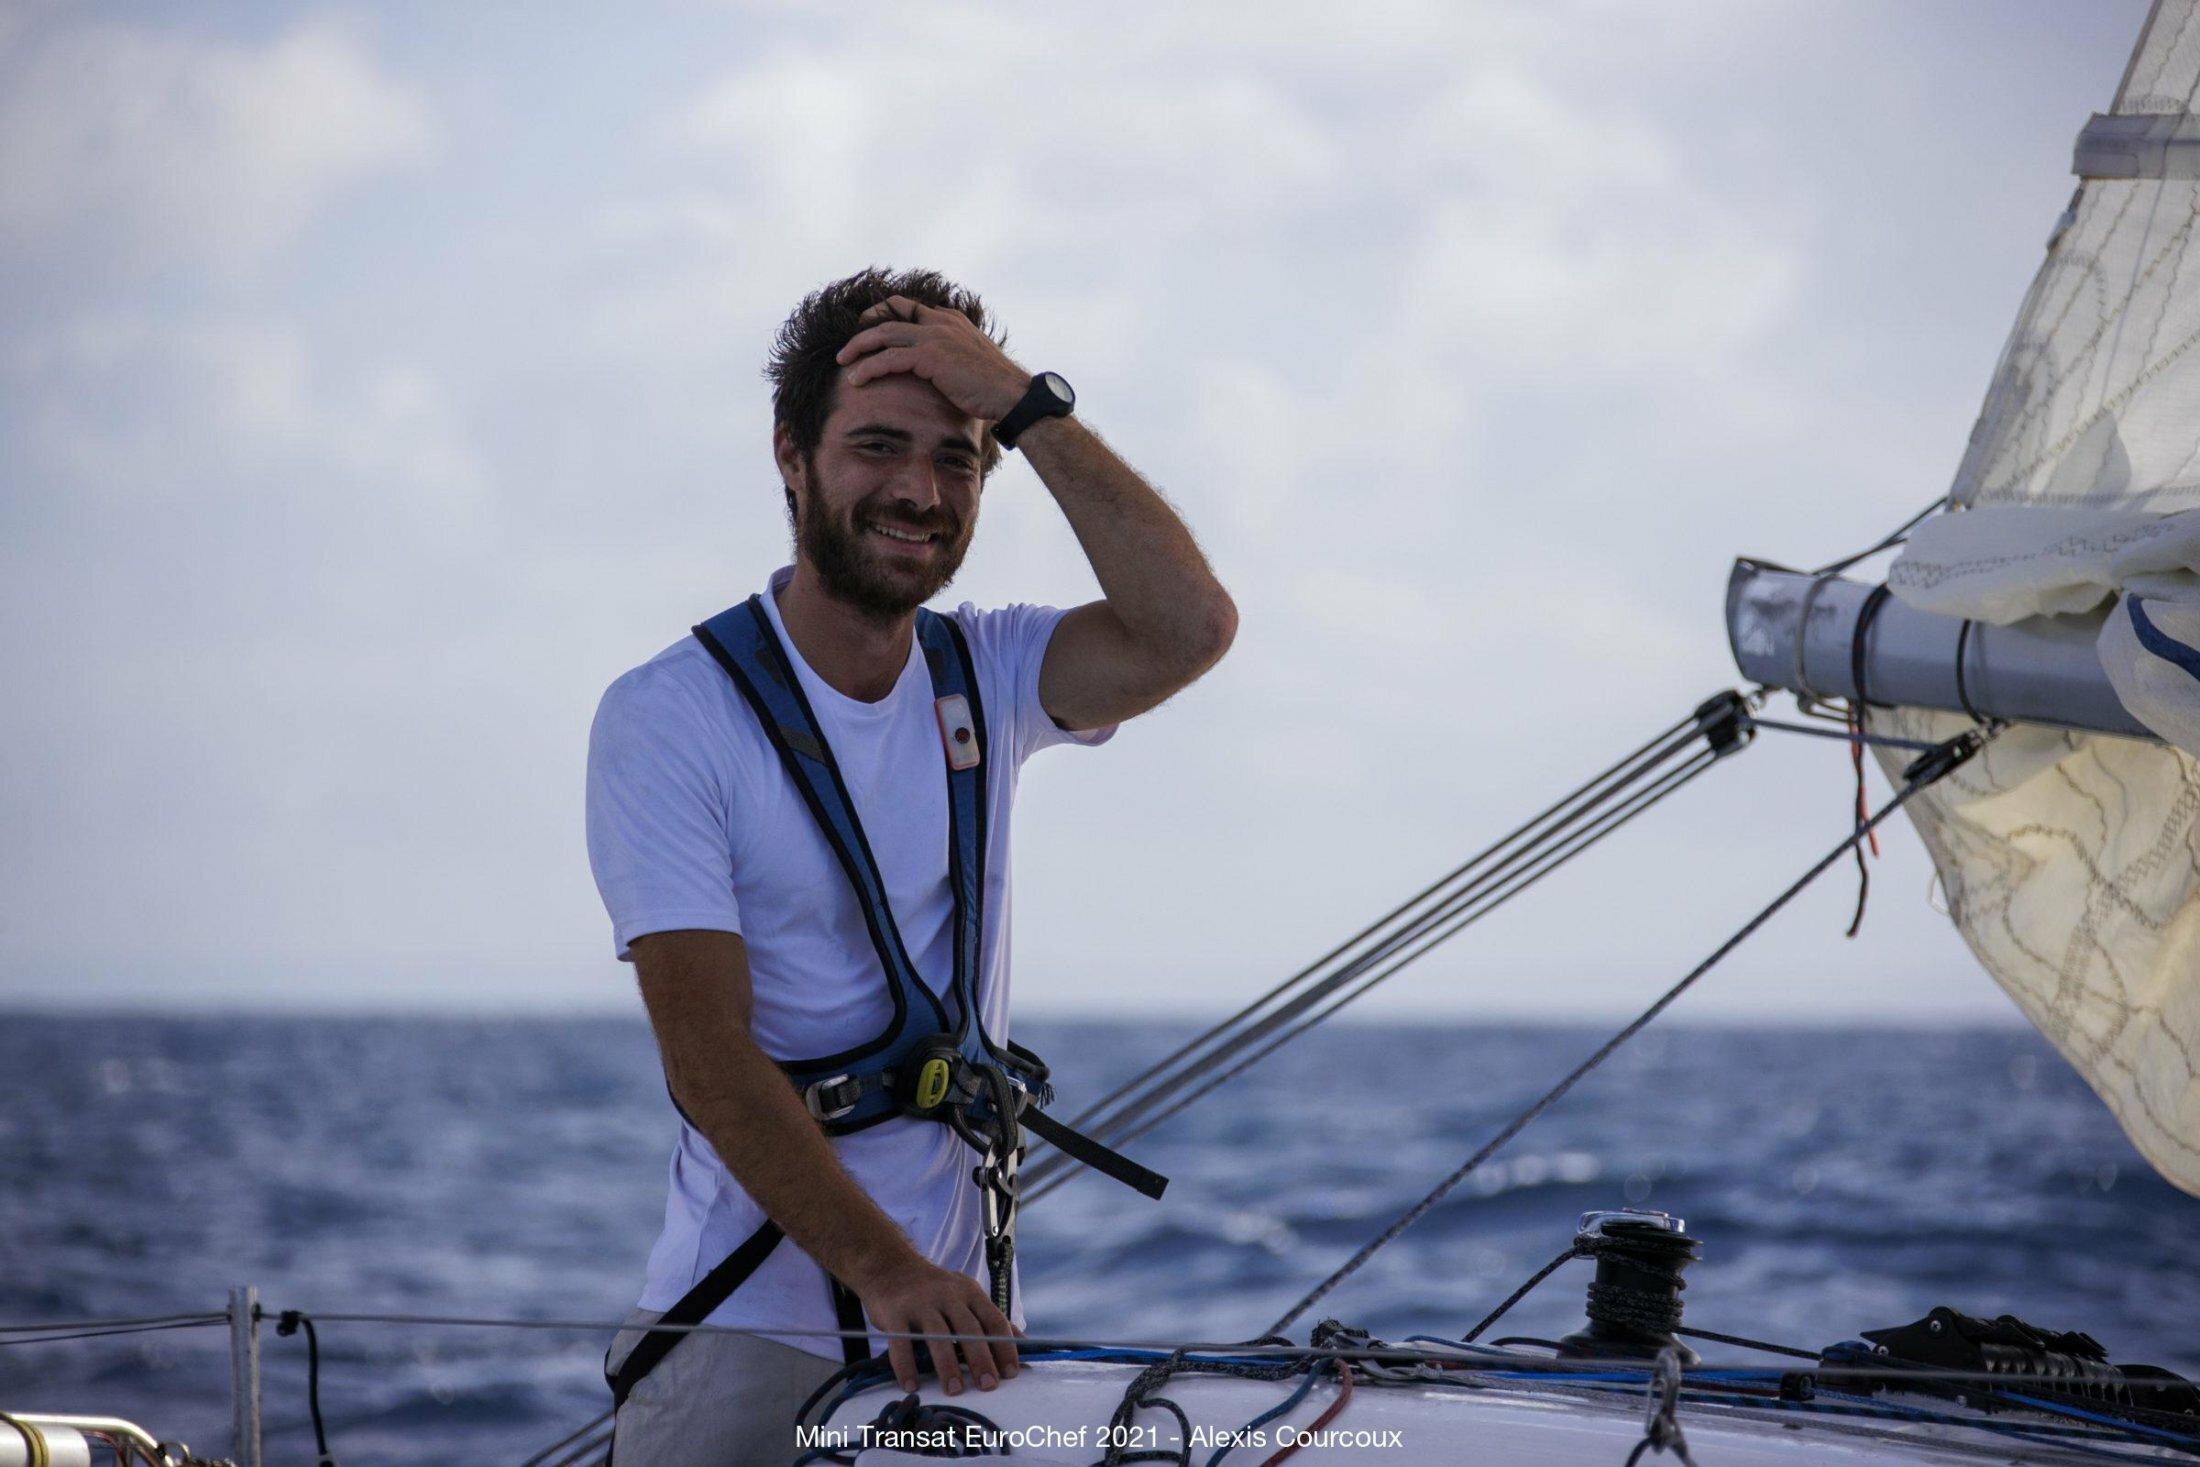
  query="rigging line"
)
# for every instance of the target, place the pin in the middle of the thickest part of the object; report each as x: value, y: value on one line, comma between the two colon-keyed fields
x: 1807, y: 706
x: 1080, y: 1120
x: 1198, y: 1352
x: 1283, y: 1407
x: 1043, y: 1178
x: 1877, y: 741
x: 1197, y: 1349
x: 100, y: 1334
x: 1521, y: 1293
x: 1485, y: 1361
x: 1469, y: 905
x: 1745, y: 1342
x: 147, y: 1319
x: 1313, y: 1429
x: 1219, y: 1041
x: 1554, y: 839
x: 1956, y: 752
x: 1129, y: 1109
x: 1230, y: 1348
x: 1280, y: 1361
x: 1893, y: 538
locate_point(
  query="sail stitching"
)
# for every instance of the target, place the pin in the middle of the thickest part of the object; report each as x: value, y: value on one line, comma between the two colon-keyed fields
x: 2111, y: 405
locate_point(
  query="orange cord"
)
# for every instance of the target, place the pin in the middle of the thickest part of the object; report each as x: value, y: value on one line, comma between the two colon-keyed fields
x: 1856, y: 758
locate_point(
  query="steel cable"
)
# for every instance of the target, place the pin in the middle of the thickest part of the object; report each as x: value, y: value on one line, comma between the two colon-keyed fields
x: 1652, y: 747
x: 1921, y: 777
x: 1051, y: 1171
x: 1498, y: 872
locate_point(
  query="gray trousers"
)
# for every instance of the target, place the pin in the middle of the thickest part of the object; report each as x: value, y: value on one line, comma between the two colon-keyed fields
x: 714, y: 1401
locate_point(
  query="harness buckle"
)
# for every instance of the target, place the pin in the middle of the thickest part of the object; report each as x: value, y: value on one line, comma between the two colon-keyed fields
x: 932, y: 1079
x: 830, y: 1099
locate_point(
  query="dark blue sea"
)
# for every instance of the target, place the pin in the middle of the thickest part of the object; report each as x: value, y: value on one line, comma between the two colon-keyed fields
x: 1840, y: 1179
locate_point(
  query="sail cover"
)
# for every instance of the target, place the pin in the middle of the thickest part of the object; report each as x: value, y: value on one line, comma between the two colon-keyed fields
x: 2071, y: 861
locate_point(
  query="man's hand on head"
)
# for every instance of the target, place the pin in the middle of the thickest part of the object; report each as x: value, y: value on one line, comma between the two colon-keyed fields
x: 941, y: 346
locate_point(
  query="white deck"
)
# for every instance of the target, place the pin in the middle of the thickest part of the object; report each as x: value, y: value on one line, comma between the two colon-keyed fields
x: 1060, y: 1411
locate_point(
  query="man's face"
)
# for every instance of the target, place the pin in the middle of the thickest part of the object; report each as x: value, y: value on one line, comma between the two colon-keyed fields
x: 886, y: 502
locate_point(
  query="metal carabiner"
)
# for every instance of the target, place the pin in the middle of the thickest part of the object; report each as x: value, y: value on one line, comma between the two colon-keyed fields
x: 996, y: 1177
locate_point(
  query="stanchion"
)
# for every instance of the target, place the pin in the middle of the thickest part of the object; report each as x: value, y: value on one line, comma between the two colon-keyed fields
x: 244, y: 1375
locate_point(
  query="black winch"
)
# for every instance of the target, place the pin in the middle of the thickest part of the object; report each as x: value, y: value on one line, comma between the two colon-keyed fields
x: 1634, y: 1302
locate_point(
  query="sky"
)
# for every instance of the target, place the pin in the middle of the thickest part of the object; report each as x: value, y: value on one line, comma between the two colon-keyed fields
x: 378, y: 382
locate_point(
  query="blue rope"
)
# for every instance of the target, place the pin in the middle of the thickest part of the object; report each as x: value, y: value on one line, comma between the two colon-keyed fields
x: 2066, y: 1437
x: 1306, y: 1386
x: 2056, y: 1408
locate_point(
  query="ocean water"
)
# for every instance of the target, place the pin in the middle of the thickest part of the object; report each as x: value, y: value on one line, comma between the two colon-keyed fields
x: 1840, y: 1179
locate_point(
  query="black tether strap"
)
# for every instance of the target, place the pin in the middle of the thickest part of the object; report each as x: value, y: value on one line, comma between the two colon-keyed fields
x: 712, y: 1290
x: 855, y: 1347
x: 1091, y: 1153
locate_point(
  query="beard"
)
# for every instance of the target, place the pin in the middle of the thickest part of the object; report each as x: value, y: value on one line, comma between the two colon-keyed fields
x: 857, y: 569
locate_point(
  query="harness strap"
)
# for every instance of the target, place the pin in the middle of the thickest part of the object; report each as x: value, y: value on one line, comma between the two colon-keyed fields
x: 1093, y: 1153
x: 712, y: 1290
x: 744, y: 644
x: 996, y: 1088
x: 855, y: 1346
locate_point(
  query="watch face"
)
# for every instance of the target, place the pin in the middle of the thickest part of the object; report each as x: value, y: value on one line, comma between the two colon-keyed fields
x: 1057, y: 384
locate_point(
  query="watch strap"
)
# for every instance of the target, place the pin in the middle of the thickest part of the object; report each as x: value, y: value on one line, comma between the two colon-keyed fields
x: 1039, y: 401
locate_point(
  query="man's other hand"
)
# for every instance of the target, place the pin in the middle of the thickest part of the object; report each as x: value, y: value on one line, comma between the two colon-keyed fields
x: 916, y: 1297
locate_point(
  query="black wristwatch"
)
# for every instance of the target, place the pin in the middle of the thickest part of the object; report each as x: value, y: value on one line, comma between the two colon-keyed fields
x: 1049, y: 396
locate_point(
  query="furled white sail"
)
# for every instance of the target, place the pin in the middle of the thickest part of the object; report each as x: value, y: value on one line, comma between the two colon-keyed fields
x: 2072, y: 861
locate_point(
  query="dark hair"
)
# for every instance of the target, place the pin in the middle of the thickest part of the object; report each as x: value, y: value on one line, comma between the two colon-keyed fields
x: 802, y: 370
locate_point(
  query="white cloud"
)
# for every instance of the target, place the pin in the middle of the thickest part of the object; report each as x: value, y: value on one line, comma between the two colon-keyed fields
x: 1455, y: 328
x: 119, y: 412
x: 140, y: 142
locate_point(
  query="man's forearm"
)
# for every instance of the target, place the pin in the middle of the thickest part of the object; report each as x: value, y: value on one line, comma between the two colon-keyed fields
x: 741, y: 1102
x: 1156, y: 581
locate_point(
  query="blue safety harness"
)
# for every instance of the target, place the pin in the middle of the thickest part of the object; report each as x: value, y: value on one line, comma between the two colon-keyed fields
x: 934, y: 1060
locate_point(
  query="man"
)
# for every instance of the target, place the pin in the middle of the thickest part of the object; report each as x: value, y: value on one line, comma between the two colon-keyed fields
x: 711, y: 833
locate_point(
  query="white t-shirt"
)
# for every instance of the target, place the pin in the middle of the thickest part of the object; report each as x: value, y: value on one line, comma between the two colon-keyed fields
x: 693, y: 823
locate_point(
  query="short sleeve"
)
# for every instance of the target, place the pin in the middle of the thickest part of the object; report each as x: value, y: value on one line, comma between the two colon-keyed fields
x: 657, y: 838
x: 1014, y: 640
